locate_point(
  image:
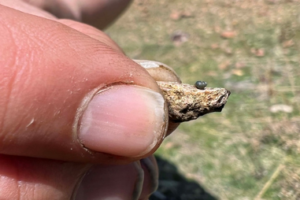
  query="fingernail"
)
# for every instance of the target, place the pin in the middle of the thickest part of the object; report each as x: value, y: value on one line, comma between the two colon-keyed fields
x: 111, y: 182
x: 123, y: 120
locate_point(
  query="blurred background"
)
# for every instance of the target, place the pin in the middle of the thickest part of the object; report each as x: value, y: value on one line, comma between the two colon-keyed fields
x: 251, y: 47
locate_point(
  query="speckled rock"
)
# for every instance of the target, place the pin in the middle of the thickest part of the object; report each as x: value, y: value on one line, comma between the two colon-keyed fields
x: 186, y: 102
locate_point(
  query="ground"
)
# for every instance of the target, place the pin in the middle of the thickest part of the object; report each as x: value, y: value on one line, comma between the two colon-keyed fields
x: 251, y: 149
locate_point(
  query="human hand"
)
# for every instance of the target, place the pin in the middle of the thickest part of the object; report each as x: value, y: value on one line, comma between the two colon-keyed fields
x: 73, y: 108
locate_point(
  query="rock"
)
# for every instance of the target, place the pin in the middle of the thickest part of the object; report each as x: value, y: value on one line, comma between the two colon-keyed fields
x: 186, y: 102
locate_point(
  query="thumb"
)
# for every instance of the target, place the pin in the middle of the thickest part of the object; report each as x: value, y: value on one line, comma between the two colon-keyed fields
x: 67, y: 96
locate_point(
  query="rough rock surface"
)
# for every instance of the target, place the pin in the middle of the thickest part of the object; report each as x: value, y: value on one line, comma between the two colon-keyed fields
x: 186, y: 102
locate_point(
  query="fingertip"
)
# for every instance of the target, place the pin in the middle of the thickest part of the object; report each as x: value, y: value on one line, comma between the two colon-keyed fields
x: 124, y: 120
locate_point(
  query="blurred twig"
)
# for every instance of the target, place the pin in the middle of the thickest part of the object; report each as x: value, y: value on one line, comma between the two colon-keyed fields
x: 270, y: 181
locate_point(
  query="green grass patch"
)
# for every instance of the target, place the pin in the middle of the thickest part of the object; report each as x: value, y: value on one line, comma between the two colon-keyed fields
x: 248, y: 151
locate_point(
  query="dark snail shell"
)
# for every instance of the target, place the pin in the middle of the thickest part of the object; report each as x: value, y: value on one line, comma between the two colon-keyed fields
x: 200, y: 84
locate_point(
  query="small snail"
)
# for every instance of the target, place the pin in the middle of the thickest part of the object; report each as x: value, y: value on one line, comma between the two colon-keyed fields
x: 200, y: 84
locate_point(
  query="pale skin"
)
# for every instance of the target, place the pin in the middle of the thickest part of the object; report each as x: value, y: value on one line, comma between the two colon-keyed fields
x: 50, y: 70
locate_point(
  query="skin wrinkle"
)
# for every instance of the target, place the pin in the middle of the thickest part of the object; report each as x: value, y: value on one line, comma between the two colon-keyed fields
x: 75, y: 51
x: 38, y: 45
x: 97, y: 49
x: 10, y: 82
x: 13, y: 79
x: 18, y: 75
x: 92, y: 32
x: 36, y: 41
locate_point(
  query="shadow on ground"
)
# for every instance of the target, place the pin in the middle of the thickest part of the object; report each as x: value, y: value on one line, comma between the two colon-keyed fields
x: 174, y: 186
